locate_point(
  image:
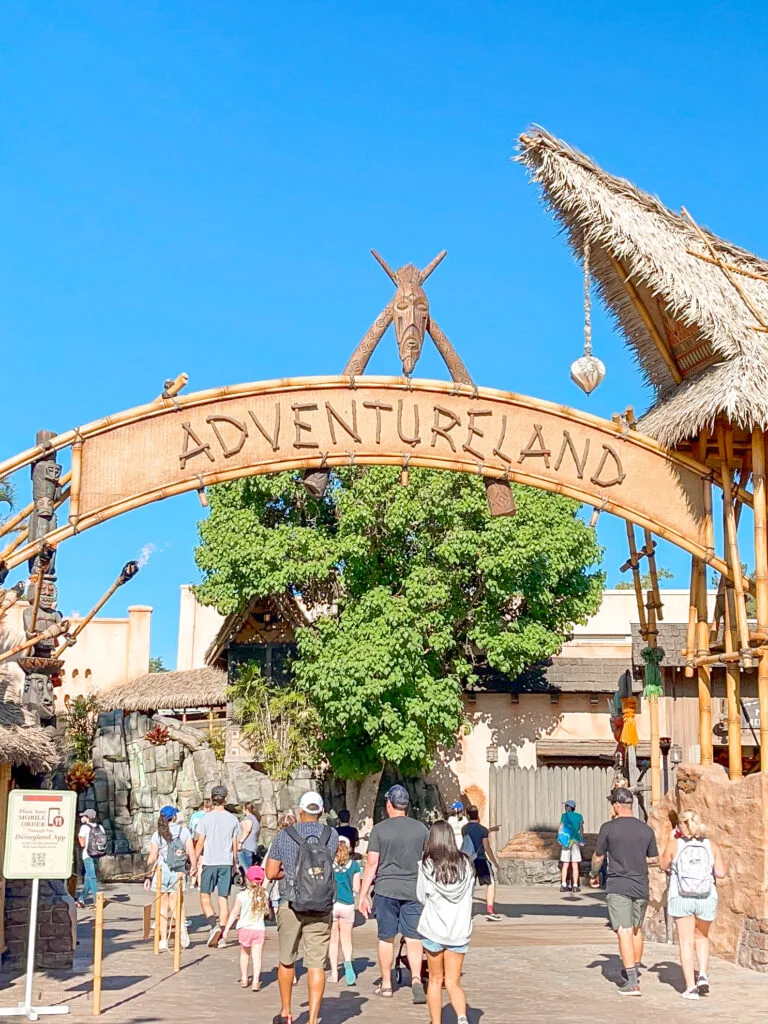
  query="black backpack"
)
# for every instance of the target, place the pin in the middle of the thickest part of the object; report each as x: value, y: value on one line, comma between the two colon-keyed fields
x: 313, y: 887
x: 96, y: 845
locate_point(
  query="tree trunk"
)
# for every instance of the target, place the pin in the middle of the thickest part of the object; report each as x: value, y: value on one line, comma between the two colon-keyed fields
x: 364, y: 794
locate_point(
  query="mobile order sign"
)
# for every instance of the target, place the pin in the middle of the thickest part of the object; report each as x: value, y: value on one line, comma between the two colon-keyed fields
x: 40, y: 833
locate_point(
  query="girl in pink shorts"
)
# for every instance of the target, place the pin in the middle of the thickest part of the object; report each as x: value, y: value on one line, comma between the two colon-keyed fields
x: 250, y: 907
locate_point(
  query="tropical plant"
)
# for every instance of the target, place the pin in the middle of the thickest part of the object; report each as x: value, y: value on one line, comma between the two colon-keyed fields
x: 217, y: 740
x: 419, y: 584
x: 80, y: 725
x: 157, y: 736
x: 645, y: 580
x: 80, y: 776
x: 278, y: 723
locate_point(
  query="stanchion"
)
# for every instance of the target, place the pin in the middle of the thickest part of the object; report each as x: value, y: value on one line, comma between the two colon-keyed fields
x: 158, y: 897
x: 98, y: 951
x: 178, y: 923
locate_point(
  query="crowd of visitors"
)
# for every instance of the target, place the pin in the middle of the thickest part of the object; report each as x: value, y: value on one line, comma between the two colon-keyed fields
x: 416, y: 882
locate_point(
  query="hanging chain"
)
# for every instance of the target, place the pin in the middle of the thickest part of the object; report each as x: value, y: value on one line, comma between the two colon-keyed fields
x: 587, y: 303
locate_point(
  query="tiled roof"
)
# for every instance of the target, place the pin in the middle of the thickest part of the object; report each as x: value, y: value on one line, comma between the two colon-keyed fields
x: 671, y: 637
x: 558, y: 675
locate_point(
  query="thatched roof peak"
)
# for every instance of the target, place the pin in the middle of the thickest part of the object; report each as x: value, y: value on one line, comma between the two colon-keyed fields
x: 691, y: 331
x: 23, y: 741
x: 194, y: 688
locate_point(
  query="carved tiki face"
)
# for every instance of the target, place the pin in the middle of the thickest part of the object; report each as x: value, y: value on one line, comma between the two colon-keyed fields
x: 38, y: 696
x: 411, y: 315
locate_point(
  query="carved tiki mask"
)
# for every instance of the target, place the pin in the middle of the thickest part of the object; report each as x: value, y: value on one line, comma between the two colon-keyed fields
x: 411, y: 316
x: 38, y: 696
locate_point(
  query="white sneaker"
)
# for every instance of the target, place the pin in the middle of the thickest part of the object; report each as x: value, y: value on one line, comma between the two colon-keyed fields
x: 222, y: 944
x: 184, y: 935
x: 691, y: 993
x: 163, y: 947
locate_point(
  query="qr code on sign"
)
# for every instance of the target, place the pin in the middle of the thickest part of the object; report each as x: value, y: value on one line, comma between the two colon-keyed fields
x: 38, y: 860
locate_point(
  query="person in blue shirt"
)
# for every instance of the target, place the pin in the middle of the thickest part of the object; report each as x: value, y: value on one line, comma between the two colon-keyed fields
x: 570, y: 857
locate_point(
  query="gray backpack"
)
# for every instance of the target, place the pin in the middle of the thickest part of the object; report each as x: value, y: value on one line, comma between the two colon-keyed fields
x: 175, y: 852
x: 312, y: 890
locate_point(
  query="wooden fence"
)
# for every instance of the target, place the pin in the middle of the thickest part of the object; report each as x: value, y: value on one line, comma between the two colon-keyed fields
x: 531, y: 799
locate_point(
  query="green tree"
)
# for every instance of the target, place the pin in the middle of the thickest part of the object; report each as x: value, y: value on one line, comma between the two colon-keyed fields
x: 420, y: 584
x: 157, y: 665
x: 645, y: 579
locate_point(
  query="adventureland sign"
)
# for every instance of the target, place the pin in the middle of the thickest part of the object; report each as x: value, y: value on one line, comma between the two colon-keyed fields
x: 210, y: 437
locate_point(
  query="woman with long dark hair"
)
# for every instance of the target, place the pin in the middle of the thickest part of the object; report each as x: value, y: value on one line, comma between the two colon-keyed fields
x: 172, y: 848
x: 444, y: 888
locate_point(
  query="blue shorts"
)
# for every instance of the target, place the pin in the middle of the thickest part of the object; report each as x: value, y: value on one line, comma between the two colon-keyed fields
x: 397, y: 917
x: 436, y: 947
x: 217, y: 877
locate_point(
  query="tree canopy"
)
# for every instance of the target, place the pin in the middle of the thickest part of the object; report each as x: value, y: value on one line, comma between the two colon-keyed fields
x: 419, y: 583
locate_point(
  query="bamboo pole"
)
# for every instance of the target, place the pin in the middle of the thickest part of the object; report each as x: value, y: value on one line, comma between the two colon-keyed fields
x: 98, y: 952
x: 690, y: 636
x: 653, y: 707
x: 77, y: 477
x: 761, y: 578
x: 732, y: 553
x: 637, y: 581
x: 158, y: 897
x: 179, y: 910
x: 650, y: 547
x: 705, y: 687
x: 732, y: 689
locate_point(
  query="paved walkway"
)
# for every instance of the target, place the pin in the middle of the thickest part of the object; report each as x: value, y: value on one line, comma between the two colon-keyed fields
x: 551, y: 958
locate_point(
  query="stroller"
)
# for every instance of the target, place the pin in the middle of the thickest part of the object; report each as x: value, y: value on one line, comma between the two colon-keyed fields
x: 401, y: 965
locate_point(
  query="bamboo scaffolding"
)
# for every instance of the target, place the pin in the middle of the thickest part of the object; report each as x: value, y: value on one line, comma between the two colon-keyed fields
x: 732, y: 552
x: 704, y: 682
x: 732, y: 689
x: 51, y: 633
x: 634, y: 564
x: 24, y: 533
x: 11, y: 524
x: 761, y: 578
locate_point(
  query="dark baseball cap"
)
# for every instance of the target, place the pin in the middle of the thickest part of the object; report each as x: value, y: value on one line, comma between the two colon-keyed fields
x: 398, y: 797
x: 620, y: 796
x: 219, y: 793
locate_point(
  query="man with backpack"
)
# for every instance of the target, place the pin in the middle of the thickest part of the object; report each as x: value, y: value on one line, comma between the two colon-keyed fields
x: 301, y: 859
x: 92, y: 840
x: 629, y: 844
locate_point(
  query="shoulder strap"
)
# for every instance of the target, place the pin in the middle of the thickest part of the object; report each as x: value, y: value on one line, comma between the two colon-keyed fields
x: 296, y: 836
x: 326, y: 834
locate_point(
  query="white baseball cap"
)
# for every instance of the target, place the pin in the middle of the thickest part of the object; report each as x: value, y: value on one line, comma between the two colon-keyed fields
x: 311, y: 803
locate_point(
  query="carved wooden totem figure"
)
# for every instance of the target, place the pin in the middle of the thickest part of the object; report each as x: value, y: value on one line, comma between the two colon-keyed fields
x: 42, y: 616
x: 410, y: 312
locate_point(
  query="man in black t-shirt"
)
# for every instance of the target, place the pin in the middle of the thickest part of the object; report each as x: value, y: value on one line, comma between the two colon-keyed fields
x: 484, y: 858
x: 349, y: 832
x: 629, y: 844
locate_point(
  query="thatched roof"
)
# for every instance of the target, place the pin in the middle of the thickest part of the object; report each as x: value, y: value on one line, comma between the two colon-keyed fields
x: 195, y: 688
x: 23, y: 741
x: 689, y: 328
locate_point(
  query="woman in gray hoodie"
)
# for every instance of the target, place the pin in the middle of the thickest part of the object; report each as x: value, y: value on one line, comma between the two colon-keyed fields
x: 444, y: 888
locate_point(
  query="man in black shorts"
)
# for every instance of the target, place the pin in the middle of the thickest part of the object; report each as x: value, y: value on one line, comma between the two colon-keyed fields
x: 394, y: 852
x: 484, y: 859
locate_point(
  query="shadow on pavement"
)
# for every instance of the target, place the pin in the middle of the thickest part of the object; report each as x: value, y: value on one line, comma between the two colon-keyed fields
x: 609, y: 966
x: 113, y: 983
x: 570, y: 906
x: 670, y: 973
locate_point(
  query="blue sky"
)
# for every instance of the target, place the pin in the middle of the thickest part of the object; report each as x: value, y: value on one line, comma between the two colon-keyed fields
x: 195, y: 186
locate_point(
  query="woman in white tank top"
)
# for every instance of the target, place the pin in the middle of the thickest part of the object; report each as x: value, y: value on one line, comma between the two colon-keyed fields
x: 694, y: 863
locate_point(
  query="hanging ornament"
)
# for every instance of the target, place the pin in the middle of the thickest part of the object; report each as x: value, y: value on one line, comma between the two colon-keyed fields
x: 587, y: 371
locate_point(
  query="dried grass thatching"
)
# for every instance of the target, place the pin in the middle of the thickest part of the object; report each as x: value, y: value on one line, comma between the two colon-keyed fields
x: 701, y: 320
x: 195, y: 688
x: 23, y: 741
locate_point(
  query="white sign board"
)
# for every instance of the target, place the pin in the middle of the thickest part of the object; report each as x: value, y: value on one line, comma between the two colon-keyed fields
x: 40, y: 833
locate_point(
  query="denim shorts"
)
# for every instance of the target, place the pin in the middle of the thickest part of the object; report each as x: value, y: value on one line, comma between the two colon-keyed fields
x: 216, y: 876
x: 436, y: 947
x: 397, y: 917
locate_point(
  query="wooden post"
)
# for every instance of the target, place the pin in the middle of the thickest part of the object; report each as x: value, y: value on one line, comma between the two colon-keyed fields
x: 650, y: 547
x: 653, y: 708
x: 179, y: 911
x: 636, y: 580
x: 5, y: 785
x: 690, y: 636
x: 732, y: 688
x: 761, y: 578
x: 98, y: 951
x: 158, y: 896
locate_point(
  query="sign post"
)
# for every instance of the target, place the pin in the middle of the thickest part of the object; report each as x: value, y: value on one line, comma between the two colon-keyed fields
x: 40, y: 837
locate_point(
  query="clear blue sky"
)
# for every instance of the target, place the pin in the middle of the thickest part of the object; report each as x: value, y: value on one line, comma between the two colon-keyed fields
x: 195, y: 186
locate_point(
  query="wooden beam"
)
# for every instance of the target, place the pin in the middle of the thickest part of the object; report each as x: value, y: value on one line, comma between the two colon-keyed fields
x: 732, y: 689
x: 732, y: 552
x: 703, y: 671
x: 645, y: 316
x: 637, y: 582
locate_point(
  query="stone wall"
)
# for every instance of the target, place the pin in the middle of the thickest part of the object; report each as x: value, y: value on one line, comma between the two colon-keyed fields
x: 53, y: 947
x: 134, y: 779
x: 735, y: 816
x: 533, y: 858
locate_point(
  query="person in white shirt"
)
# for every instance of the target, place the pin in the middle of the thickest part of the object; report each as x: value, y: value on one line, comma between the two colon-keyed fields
x: 249, y: 910
x: 90, y: 881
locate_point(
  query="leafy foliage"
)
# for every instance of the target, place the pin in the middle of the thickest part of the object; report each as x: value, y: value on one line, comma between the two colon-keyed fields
x: 80, y: 776
x: 279, y: 723
x: 158, y: 736
x: 80, y: 723
x: 424, y: 582
x: 156, y: 665
x: 217, y: 740
x: 645, y: 579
